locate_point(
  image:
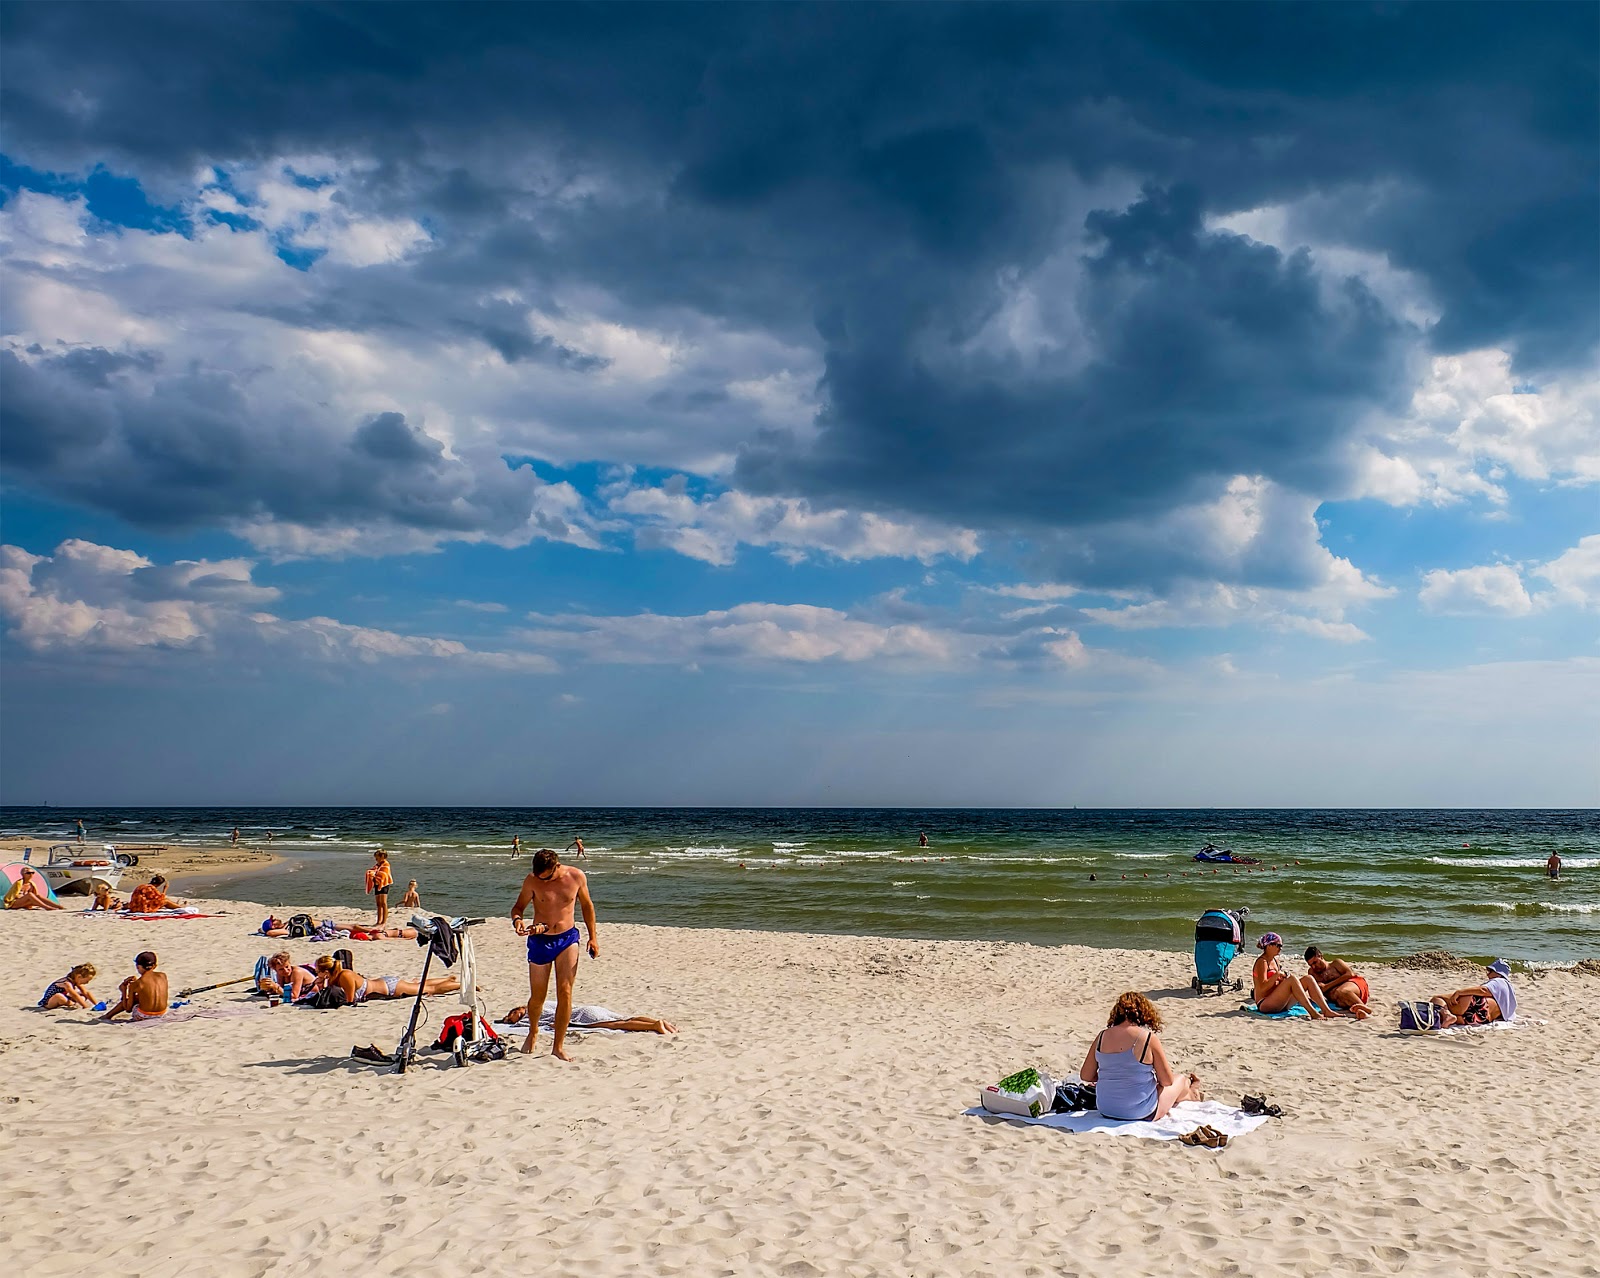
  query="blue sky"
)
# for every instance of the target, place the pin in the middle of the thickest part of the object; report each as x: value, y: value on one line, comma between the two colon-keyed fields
x: 1091, y: 404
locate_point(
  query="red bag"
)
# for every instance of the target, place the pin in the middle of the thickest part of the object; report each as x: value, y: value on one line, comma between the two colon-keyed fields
x: 458, y: 1025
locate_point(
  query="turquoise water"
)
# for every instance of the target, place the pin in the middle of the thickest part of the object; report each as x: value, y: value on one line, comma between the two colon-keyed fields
x: 1370, y: 884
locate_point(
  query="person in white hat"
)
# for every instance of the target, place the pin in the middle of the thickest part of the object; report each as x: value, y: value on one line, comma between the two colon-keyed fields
x: 1484, y: 1004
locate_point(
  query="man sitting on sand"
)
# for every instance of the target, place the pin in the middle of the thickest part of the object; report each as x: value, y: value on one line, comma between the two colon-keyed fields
x: 151, y: 897
x: 25, y: 893
x: 278, y: 975
x: 554, y: 890
x: 145, y: 993
x: 1484, y: 1004
x: 1340, y: 984
x: 593, y: 1017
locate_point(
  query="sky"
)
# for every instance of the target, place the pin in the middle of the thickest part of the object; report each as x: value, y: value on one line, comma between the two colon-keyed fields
x: 925, y: 405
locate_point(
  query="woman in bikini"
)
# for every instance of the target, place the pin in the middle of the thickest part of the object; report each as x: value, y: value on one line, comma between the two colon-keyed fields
x: 332, y: 974
x: 1276, y: 991
x: 1129, y: 1067
x: 72, y: 990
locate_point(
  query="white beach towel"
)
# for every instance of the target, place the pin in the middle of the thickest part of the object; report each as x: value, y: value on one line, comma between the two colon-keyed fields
x: 1183, y: 1119
x: 547, y: 1022
x: 1468, y: 1030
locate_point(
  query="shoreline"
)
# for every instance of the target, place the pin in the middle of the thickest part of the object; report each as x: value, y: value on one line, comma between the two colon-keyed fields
x: 187, y: 866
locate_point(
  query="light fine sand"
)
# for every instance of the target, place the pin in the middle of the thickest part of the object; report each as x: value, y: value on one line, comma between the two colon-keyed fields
x: 806, y: 1121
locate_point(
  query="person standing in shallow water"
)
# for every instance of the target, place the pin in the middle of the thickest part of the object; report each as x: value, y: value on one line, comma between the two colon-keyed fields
x: 577, y: 843
x: 516, y: 844
x: 1552, y: 867
x: 922, y: 839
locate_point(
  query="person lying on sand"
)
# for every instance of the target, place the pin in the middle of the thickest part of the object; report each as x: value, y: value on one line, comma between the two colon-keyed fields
x: 72, y: 990
x: 1128, y: 1065
x: 1484, y: 1004
x: 27, y: 894
x: 144, y: 993
x: 1339, y: 983
x: 370, y: 932
x: 278, y: 974
x: 150, y: 897
x: 103, y: 900
x: 332, y: 974
x: 272, y: 925
x: 594, y: 1017
x: 1276, y: 991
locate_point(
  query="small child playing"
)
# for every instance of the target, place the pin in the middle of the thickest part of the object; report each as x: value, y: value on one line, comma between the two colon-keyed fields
x: 411, y: 898
x: 72, y: 990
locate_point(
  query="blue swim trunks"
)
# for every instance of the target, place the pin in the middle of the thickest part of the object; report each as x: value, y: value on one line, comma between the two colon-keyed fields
x: 543, y: 949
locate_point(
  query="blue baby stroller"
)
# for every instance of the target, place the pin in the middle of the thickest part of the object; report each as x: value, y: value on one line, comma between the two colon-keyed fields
x: 1218, y: 937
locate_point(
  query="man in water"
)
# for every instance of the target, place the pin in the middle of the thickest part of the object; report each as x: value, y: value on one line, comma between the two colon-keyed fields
x: 145, y: 993
x: 922, y: 839
x: 577, y: 843
x: 553, y: 889
x: 1340, y: 984
x: 1553, y: 865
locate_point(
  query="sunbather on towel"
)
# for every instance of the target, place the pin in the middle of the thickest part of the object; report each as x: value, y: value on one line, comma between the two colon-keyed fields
x: 1484, y: 1004
x: 279, y: 975
x: 103, y: 900
x: 1340, y: 983
x: 150, y: 897
x: 145, y: 993
x: 1129, y: 1066
x: 594, y: 1017
x: 332, y: 974
x: 27, y: 894
x: 72, y: 990
x: 1276, y: 991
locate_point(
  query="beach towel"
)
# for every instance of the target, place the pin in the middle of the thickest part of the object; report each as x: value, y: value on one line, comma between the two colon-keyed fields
x: 1490, y: 1028
x: 1183, y: 1119
x: 1288, y: 1014
x: 144, y: 916
x: 193, y: 1014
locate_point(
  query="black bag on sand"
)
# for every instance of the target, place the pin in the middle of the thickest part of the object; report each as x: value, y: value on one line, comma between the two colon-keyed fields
x: 1419, y: 1016
x: 331, y: 997
x: 1073, y: 1097
x: 301, y: 925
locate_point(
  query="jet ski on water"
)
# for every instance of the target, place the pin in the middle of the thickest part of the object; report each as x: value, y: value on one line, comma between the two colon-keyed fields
x: 1213, y: 855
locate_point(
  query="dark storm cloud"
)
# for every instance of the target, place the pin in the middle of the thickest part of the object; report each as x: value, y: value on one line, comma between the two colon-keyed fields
x: 871, y: 180
x: 188, y: 449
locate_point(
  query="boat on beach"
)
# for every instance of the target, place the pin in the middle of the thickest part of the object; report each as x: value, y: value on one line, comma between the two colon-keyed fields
x: 73, y: 868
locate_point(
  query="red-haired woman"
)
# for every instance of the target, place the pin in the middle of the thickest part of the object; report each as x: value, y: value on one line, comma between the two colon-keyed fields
x: 1128, y: 1065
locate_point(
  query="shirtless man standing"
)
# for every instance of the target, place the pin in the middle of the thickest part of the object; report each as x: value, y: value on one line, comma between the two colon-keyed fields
x: 145, y: 994
x: 1340, y: 983
x: 553, y: 939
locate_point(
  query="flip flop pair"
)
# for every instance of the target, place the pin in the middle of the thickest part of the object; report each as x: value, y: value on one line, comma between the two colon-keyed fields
x: 1206, y: 1137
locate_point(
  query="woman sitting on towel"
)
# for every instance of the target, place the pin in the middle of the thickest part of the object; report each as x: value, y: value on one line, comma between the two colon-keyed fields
x: 1276, y: 991
x: 591, y: 1017
x: 1128, y: 1065
x: 72, y: 990
x: 332, y: 974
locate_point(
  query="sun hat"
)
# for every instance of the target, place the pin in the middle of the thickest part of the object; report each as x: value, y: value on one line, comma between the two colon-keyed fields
x: 1268, y: 938
x: 1500, y: 967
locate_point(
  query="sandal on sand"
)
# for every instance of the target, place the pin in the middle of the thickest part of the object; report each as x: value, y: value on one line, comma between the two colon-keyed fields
x: 1211, y: 1138
x: 1190, y: 1138
x: 371, y: 1053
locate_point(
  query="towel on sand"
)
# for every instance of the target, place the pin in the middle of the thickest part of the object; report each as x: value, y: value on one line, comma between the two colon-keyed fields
x: 1286, y: 1015
x: 191, y: 1014
x: 547, y: 1020
x: 1184, y: 1118
x: 143, y: 918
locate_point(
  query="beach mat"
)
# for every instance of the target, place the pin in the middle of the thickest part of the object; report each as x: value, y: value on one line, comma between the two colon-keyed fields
x: 1183, y: 1118
x: 1288, y: 1014
x: 190, y: 1014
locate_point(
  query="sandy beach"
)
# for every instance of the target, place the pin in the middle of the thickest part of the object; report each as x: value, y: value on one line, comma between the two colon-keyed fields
x: 807, y: 1120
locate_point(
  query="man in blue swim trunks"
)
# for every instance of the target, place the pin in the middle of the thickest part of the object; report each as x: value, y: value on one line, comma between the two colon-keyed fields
x: 553, y: 889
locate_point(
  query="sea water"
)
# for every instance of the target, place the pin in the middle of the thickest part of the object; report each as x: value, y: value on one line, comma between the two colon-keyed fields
x: 1362, y: 883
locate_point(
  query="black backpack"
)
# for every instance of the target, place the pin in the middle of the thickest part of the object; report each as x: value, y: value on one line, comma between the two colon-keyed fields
x: 301, y: 925
x: 331, y: 997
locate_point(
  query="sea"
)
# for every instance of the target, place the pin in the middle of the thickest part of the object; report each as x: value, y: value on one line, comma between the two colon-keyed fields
x: 1359, y: 883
